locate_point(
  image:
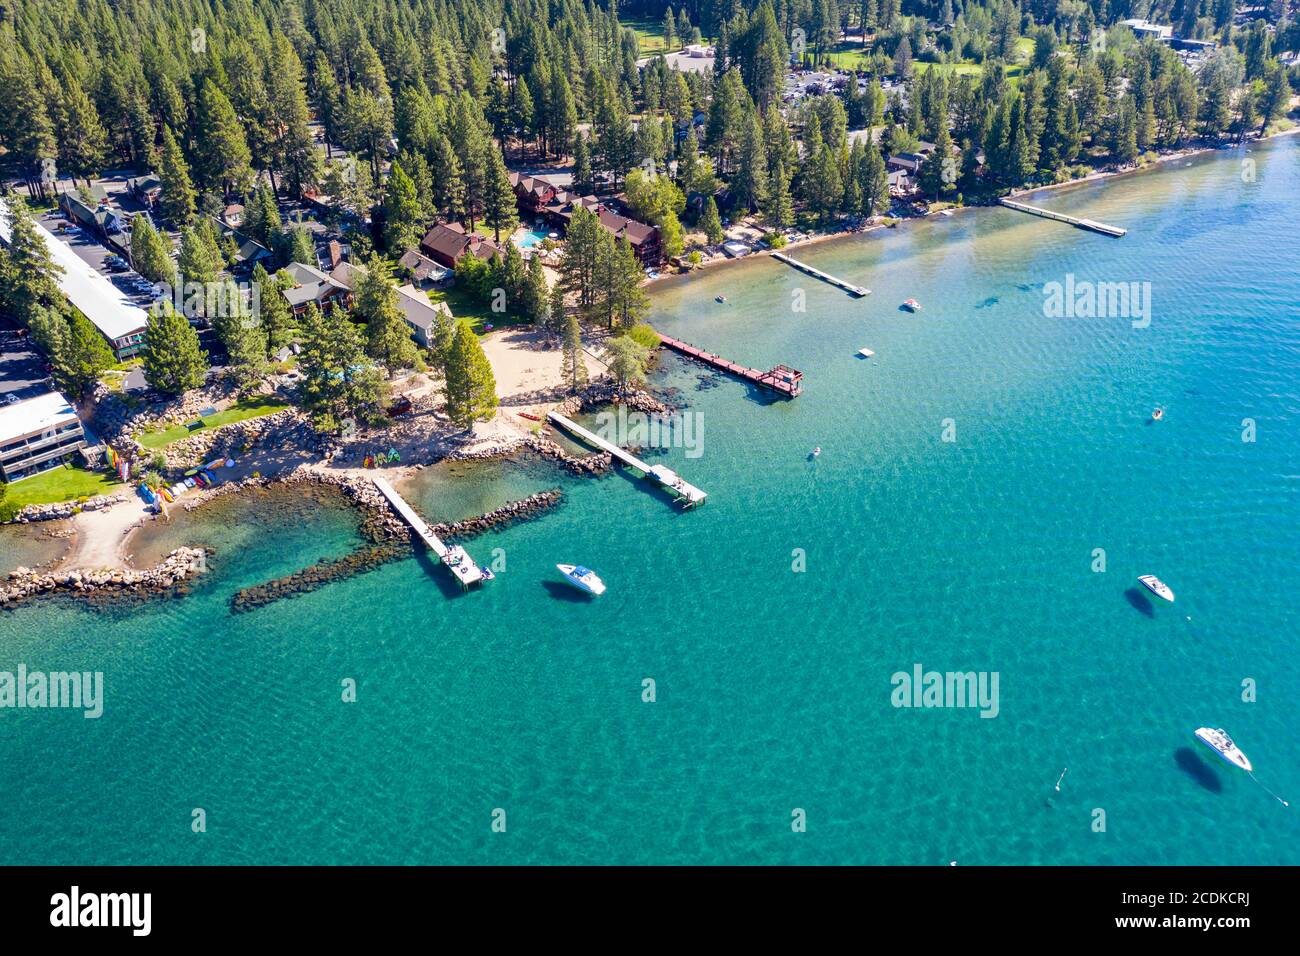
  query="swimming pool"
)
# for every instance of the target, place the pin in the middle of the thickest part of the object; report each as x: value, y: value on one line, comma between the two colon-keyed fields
x: 529, y: 238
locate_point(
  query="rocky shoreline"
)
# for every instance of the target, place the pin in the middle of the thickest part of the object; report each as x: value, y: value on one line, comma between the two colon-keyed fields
x: 390, y: 549
x: 178, y: 566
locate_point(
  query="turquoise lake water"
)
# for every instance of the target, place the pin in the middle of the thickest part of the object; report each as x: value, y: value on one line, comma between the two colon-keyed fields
x: 773, y: 687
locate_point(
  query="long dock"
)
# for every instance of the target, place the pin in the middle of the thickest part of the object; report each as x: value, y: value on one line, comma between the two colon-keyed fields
x: 1104, y: 228
x: 782, y: 379
x: 456, y: 558
x: 683, y: 490
x: 849, y: 287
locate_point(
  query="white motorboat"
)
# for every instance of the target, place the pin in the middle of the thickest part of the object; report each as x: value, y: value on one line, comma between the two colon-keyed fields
x: 866, y: 353
x: 1217, y: 739
x: 1157, y: 587
x: 582, y: 578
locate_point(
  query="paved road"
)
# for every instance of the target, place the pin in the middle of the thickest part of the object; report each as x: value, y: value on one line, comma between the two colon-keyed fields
x: 22, y: 367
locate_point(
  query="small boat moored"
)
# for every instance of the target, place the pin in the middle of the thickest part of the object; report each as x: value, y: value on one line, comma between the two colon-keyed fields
x: 1217, y: 739
x: 582, y: 578
x: 910, y: 305
x: 1158, y: 414
x: 1156, y: 587
x: 866, y: 353
x: 720, y: 298
x: 815, y: 452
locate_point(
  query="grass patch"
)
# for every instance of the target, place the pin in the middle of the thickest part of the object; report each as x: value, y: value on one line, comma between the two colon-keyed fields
x: 64, y: 483
x: 242, y: 410
x: 464, y: 305
x: 650, y: 37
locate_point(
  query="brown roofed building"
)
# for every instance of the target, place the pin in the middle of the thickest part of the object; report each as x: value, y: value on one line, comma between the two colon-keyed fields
x: 532, y: 194
x: 447, y: 244
x: 643, y: 238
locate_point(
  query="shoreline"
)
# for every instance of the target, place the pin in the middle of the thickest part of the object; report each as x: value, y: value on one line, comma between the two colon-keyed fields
x: 98, y: 539
x: 1161, y: 160
x: 97, y: 557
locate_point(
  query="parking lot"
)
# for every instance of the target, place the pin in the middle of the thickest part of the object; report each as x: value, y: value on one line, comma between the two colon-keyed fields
x: 22, y: 367
x: 97, y: 256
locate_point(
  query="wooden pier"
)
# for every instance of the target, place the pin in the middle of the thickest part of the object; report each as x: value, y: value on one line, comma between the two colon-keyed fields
x: 672, y: 482
x: 1101, y: 227
x: 849, y: 287
x: 454, y: 557
x: 782, y: 379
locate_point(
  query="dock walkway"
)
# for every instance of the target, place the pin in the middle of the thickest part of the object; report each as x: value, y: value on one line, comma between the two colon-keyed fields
x: 456, y: 558
x: 1092, y: 224
x: 782, y: 379
x: 849, y: 287
x: 662, y: 474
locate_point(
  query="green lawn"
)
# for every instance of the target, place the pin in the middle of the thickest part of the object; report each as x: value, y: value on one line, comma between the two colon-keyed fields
x: 242, y: 410
x: 64, y: 483
x: 650, y: 36
x: 464, y: 305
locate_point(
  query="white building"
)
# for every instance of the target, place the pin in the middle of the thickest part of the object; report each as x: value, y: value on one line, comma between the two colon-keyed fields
x: 1145, y: 28
x: 104, y: 304
x: 36, y: 434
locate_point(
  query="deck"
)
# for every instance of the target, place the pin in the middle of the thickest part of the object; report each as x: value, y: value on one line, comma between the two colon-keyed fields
x: 455, y: 558
x: 782, y: 379
x: 849, y: 287
x: 1091, y: 224
x: 672, y: 482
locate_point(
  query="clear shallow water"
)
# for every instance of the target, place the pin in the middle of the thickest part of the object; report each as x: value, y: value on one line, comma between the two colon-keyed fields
x: 774, y: 687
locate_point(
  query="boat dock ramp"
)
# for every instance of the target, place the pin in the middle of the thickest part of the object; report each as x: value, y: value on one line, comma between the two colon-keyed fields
x: 849, y: 287
x: 662, y: 475
x: 454, y: 557
x: 1101, y: 227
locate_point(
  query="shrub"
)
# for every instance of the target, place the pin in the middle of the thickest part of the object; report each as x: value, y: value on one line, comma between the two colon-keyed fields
x: 643, y: 334
x: 775, y: 240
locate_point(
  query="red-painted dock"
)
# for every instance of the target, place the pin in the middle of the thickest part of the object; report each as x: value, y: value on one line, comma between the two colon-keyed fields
x: 781, y: 379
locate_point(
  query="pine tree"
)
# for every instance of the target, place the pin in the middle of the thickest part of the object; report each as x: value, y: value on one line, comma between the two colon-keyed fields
x: 275, y: 320
x: 246, y: 351
x: 1124, y: 141
x: 403, y: 215
x: 196, y: 262
x: 875, y: 182
x: 388, y: 337
x: 448, y: 180
x: 84, y: 357
x: 499, y: 209
x: 149, y: 253
x: 338, y: 380
x: 573, y: 368
x: 535, y: 293
x: 470, y: 386
x: 30, y: 278
x: 583, y: 179
x: 779, y: 210
x: 173, y: 361
x: 262, y: 217
x: 49, y: 331
x: 557, y: 314
x: 83, y: 143
x: 294, y: 151
x: 711, y: 222
x: 297, y: 245
x: 221, y: 146
x: 750, y: 180
x: 178, y: 194
x: 627, y: 360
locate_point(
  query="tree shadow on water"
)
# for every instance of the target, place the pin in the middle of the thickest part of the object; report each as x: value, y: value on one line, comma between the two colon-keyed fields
x: 1190, y: 763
